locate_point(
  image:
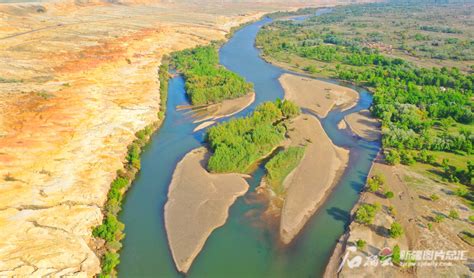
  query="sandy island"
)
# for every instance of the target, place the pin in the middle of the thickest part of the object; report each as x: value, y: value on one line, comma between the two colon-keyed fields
x: 364, y: 125
x: 317, y: 173
x: 219, y: 110
x: 198, y: 203
x: 316, y: 95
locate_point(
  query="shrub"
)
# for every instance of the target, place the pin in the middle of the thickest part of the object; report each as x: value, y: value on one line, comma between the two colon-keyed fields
x: 396, y: 230
x: 365, y: 214
x: 111, y: 229
x: 392, y: 157
x: 361, y: 244
x: 439, y: 218
x: 110, y: 261
x: 375, y: 182
x: 389, y: 194
x: 392, y: 211
x: 434, y: 197
x: 453, y: 214
x: 430, y: 226
x: 471, y: 218
x: 406, y: 158
x: 396, y: 254
x: 461, y: 192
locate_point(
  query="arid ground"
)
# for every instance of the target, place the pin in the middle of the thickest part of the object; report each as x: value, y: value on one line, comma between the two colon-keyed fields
x: 77, y: 80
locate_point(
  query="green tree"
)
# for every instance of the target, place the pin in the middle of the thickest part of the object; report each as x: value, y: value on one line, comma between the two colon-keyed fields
x: 365, y: 214
x: 396, y: 230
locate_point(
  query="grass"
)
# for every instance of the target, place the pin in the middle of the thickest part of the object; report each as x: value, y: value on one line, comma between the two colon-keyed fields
x: 281, y: 165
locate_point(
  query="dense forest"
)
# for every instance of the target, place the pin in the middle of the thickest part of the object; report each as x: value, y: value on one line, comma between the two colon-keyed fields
x: 420, y: 108
x: 239, y: 143
x: 206, y: 81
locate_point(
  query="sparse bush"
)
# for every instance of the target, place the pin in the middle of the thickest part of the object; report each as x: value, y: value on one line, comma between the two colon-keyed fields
x: 361, y: 244
x: 453, y: 214
x: 396, y: 255
x: 110, y: 261
x: 439, y: 218
x: 396, y: 230
x: 392, y: 210
x: 375, y: 182
x: 434, y: 197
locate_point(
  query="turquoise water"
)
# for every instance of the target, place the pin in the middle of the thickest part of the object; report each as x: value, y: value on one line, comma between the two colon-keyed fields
x: 247, y: 245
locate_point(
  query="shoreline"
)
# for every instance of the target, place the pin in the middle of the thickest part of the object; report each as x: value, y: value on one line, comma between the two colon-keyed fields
x: 341, y: 244
x: 129, y: 171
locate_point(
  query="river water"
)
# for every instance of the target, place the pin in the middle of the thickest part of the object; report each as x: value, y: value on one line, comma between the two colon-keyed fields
x: 246, y: 246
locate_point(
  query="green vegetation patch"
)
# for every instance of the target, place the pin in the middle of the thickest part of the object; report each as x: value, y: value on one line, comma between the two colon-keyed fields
x: 239, y: 143
x: 281, y: 165
x: 365, y: 214
x: 206, y: 81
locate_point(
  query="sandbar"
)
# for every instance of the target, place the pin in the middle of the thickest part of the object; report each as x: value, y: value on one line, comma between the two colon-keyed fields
x: 198, y: 203
x: 364, y: 125
x: 317, y: 173
x: 317, y: 96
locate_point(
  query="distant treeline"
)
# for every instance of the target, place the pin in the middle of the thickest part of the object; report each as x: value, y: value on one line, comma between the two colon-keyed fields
x: 417, y: 106
x: 206, y: 81
x: 239, y: 143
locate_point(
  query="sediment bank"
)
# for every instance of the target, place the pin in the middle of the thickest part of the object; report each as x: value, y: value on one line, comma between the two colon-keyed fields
x: 198, y: 203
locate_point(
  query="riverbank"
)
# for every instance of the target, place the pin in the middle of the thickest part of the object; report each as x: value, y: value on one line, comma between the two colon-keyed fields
x: 317, y: 96
x: 418, y: 201
x: 198, y: 203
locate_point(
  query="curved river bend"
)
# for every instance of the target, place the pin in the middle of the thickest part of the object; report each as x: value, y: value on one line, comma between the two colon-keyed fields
x: 246, y: 246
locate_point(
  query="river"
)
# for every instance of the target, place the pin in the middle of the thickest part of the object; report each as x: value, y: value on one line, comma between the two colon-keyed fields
x: 246, y: 246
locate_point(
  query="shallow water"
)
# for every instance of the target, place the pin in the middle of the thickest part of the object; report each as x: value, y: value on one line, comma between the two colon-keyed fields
x: 246, y: 246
